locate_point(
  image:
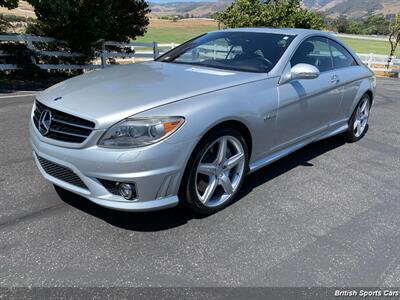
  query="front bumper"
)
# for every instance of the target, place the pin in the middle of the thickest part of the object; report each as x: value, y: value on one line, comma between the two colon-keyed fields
x: 156, y: 171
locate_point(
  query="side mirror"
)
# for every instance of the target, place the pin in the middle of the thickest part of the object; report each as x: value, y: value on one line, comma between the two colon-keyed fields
x: 304, y: 71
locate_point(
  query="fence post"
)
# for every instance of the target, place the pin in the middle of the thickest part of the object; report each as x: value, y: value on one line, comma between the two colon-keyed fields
x: 103, y: 55
x: 370, y: 60
x: 155, y: 50
x: 29, y: 45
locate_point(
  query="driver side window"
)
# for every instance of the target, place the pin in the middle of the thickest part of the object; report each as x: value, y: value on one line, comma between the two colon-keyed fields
x: 314, y: 51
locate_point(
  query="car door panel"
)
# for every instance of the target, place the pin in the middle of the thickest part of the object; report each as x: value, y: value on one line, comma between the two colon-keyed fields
x: 308, y: 106
x: 350, y: 74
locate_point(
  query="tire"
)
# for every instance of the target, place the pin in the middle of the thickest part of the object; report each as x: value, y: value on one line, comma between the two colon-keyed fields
x: 358, y: 123
x: 211, y: 172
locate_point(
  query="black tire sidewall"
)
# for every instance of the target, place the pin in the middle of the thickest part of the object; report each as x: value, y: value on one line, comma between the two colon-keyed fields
x: 187, y: 194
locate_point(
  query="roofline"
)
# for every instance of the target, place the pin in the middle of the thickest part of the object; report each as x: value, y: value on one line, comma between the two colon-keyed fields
x: 287, y: 31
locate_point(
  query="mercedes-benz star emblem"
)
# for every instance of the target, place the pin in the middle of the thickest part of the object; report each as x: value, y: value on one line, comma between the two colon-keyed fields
x: 45, y: 122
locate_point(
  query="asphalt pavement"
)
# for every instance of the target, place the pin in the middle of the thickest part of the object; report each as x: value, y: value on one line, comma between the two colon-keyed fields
x: 327, y: 215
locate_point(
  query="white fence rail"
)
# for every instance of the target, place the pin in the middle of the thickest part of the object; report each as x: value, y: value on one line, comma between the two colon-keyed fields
x: 363, y: 37
x: 140, y: 50
x: 378, y: 62
x: 148, y: 51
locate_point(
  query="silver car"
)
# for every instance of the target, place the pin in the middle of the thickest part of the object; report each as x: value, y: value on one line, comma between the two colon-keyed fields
x: 189, y: 126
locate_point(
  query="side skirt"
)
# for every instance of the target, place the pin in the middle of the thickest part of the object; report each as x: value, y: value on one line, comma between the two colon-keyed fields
x: 254, y: 166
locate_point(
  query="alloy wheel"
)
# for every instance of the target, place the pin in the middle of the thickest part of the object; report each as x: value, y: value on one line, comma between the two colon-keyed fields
x: 220, y: 171
x: 361, y: 117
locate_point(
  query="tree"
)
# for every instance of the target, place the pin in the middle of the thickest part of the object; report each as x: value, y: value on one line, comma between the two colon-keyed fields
x: 242, y: 13
x: 10, y: 4
x: 376, y: 24
x: 394, y: 38
x: 342, y: 24
x: 217, y: 17
x: 20, y: 53
x: 84, y: 23
x: 4, y: 25
x: 356, y: 27
x: 269, y: 13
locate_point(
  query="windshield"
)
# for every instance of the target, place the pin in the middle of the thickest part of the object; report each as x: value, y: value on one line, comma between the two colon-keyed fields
x: 241, y: 51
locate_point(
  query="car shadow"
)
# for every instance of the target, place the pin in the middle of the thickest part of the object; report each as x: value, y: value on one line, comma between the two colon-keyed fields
x: 300, y: 157
x: 13, y: 85
x: 177, y: 216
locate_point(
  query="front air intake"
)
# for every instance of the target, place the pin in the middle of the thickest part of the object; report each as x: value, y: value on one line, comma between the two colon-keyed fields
x: 60, y: 172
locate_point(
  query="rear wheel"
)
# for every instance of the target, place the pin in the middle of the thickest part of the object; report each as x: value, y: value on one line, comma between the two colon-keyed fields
x: 358, y: 123
x: 215, y: 171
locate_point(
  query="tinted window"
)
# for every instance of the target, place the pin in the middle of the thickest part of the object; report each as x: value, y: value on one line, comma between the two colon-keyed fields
x: 314, y: 51
x: 341, y: 57
x: 215, y: 50
x: 242, y: 51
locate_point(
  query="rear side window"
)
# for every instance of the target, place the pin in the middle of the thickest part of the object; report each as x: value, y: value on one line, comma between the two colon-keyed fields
x: 314, y: 51
x: 341, y: 57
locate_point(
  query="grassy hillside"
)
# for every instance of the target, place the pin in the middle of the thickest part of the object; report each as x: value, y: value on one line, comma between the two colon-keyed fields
x: 166, y: 31
x: 332, y: 8
x: 198, y: 9
x: 367, y: 46
x: 359, y: 8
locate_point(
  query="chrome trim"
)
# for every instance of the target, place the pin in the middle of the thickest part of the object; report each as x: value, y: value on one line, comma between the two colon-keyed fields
x: 69, y: 133
x: 72, y: 124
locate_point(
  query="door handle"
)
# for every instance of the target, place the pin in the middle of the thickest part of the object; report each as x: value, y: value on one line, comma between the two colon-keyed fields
x: 335, y: 79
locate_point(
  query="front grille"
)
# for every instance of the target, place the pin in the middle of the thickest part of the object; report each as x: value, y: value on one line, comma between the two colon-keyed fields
x: 63, y: 126
x: 60, y: 172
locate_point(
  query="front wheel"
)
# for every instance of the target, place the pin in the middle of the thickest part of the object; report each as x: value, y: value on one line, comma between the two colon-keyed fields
x: 215, y: 171
x: 358, y: 123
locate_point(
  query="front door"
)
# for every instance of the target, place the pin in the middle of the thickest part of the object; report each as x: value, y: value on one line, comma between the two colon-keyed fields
x: 307, y: 106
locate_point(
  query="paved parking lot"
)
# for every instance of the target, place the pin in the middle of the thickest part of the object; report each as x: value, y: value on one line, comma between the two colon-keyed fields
x: 327, y: 215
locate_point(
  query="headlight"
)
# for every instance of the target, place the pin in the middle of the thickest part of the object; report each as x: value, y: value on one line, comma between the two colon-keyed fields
x: 138, y: 132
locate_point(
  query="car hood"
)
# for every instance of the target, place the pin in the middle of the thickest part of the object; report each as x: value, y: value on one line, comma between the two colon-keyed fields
x: 110, y: 95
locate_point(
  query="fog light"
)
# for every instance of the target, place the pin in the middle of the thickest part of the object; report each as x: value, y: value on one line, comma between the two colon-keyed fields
x: 127, y: 190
